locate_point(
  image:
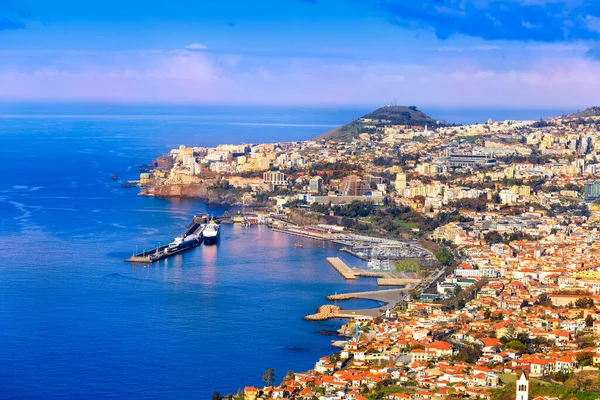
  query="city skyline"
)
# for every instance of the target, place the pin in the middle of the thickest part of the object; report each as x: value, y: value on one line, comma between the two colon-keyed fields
x: 311, y: 52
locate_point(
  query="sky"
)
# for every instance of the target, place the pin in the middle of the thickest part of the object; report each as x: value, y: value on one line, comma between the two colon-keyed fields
x: 453, y: 53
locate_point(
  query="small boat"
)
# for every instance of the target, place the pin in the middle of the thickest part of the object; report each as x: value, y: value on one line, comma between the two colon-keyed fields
x: 298, y: 245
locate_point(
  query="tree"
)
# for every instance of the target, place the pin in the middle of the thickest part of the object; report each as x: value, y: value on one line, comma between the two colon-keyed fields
x: 444, y: 257
x: 457, y: 290
x: 584, y: 341
x: 468, y: 354
x: 584, y: 359
x: 516, y: 345
x: 493, y: 237
x: 589, y: 320
x: 560, y: 376
x: 544, y: 300
x: 584, y: 302
x: 290, y: 376
x: 487, y: 314
x: 216, y: 396
x: 269, y: 377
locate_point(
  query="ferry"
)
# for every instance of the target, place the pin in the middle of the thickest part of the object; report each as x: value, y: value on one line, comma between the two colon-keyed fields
x: 183, y: 243
x: 211, y: 232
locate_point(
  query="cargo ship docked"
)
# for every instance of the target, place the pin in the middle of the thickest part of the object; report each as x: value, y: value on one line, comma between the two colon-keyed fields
x: 211, y: 232
x: 191, y: 238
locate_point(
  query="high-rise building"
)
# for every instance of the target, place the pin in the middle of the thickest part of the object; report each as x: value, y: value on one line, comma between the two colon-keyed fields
x: 274, y: 179
x: 400, y: 180
x: 314, y: 185
x: 591, y: 190
x: 524, y: 190
x: 353, y: 185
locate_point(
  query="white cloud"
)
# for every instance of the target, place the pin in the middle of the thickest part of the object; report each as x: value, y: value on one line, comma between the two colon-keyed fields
x: 196, y: 46
x: 186, y: 75
x: 188, y: 66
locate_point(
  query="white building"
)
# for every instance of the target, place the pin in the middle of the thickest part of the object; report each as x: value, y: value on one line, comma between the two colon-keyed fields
x: 522, y: 385
x: 508, y: 197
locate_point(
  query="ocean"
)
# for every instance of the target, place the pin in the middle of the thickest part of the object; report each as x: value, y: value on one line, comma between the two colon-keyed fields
x: 77, y: 322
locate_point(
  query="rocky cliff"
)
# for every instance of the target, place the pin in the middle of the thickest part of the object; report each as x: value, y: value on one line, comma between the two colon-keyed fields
x: 200, y: 191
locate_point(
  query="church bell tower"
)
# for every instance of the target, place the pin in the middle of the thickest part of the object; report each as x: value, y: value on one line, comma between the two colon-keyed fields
x: 522, y: 385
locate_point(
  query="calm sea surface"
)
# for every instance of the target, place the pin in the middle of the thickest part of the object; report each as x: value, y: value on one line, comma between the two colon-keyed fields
x: 76, y: 322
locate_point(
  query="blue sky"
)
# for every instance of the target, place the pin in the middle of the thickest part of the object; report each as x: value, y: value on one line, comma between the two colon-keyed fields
x: 489, y: 53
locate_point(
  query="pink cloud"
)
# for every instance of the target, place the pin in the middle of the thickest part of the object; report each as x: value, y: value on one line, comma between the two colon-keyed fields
x: 189, y: 76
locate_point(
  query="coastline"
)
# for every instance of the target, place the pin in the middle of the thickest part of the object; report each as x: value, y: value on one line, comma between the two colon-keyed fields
x: 385, y: 298
x: 200, y: 192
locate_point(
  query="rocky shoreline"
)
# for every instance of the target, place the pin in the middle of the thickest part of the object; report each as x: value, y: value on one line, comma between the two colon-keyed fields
x: 199, y: 191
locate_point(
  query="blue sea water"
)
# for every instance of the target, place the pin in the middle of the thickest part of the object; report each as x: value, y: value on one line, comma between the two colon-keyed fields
x: 76, y: 322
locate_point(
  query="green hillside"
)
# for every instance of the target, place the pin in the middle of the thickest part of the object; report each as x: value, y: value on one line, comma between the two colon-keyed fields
x: 588, y: 112
x: 389, y: 115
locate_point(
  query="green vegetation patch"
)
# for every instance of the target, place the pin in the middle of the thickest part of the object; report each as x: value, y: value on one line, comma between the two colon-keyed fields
x: 407, y: 266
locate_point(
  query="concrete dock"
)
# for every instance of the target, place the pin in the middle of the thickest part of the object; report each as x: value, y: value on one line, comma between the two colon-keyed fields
x: 159, y: 253
x: 341, y: 267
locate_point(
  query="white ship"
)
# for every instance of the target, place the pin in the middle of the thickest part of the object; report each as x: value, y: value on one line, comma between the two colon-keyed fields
x: 211, y: 232
x: 183, y: 242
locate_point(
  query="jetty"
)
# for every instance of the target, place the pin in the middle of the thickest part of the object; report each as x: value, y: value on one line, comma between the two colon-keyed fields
x: 328, y: 312
x: 161, y: 252
x: 387, y: 297
x: 341, y: 267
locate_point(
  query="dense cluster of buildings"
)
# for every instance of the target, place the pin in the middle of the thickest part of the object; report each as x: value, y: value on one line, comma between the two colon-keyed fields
x: 491, y: 157
x: 526, y: 246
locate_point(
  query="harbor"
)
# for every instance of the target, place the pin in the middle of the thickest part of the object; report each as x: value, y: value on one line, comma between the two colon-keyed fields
x: 341, y: 267
x: 192, y: 237
x: 203, y: 228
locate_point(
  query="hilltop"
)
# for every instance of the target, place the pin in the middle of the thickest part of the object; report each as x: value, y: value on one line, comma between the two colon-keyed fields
x: 389, y: 115
x: 588, y: 112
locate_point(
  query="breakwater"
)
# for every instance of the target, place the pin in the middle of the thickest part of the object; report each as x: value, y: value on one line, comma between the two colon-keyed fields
x: 341, y: 268
x: 388, y: 298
